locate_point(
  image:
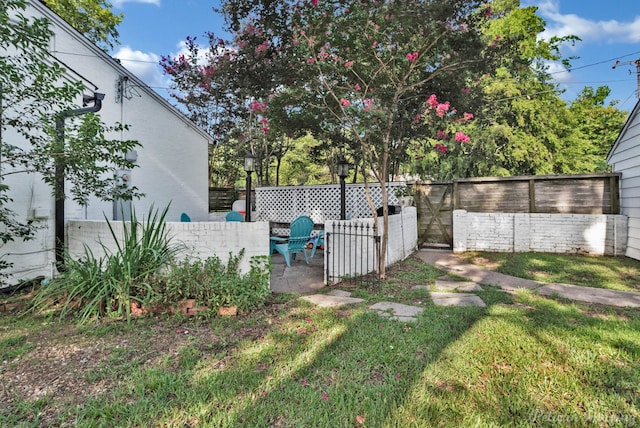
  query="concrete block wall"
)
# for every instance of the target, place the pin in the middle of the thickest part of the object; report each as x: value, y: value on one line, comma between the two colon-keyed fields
x: 403, y: 234
x: 200, y: 239
x: 550, y: 233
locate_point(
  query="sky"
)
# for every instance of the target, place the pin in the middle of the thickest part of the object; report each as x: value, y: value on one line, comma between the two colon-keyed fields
x: 609, y: 31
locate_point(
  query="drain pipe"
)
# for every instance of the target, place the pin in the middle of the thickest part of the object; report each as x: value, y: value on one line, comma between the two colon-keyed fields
x: 60, y: 170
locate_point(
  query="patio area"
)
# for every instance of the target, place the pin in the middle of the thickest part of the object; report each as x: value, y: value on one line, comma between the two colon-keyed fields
x: 298, y: 278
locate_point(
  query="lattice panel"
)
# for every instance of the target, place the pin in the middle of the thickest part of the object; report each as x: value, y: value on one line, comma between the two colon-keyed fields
x: 321, y: 203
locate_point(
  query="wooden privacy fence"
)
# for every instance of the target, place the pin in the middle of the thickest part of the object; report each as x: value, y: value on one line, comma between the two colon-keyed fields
x: 558, y: 194
x: 221, y: 198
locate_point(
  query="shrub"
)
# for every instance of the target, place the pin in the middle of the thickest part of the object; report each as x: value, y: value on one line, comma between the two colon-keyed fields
x: 93, y: 287
x: 213, y: 284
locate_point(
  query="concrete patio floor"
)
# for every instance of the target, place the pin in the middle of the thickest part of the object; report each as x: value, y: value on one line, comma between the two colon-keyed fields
x: 298, y: 278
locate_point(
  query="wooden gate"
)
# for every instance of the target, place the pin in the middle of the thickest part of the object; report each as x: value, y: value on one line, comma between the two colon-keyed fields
x: 435, y: 214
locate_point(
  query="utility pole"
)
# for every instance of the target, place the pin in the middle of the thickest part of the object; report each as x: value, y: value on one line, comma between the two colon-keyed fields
x: 637, y: 64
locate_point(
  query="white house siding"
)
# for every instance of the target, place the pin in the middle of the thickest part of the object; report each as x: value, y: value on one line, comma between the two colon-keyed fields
x: 172, y: 161
x: 625, y: 158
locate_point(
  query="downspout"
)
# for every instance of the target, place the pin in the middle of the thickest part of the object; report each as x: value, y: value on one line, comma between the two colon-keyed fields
x: 59, y: 173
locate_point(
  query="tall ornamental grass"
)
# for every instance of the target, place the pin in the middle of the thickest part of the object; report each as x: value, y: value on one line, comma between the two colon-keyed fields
x: 92, y: 287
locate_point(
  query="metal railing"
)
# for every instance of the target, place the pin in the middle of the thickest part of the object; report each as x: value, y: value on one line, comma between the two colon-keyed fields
x: 353, y: 253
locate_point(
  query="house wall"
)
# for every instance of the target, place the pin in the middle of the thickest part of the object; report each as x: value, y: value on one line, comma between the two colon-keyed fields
x: 625, y: 159
x: 595, y: 234
x: 173, y: 159
x: 173, y: 166
x: 200, y: 239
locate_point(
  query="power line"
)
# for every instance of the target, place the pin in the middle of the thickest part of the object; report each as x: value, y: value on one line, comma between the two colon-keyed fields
x: 606, y: 61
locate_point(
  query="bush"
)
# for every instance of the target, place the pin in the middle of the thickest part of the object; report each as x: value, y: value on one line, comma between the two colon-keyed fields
x: 214, y: 284
x: 94, y: 287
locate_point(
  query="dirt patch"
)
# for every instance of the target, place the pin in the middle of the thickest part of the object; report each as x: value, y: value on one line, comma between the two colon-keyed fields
x: 64, y: 363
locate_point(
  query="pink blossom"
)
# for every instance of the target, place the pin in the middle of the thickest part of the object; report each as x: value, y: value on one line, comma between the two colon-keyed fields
x: 262, y: 47
x: 416, y: 118
x: 311, y: 60
x: 412, y: 56
x: 325, y: 396
x: 442, y: 109
x: 432, y: 101
x: 465, y: 91
x: 304, y: 382
x: 348, y: 64
x: 265, y: 130
x: 314, y: 2
x: 258, y: 107
x: 441, y: 148
x: 345, y: 102
x: 467, y: 117
x: 461, y: 137
x: 357, y: 87
x: 441, y: 135
x: 368, y: 103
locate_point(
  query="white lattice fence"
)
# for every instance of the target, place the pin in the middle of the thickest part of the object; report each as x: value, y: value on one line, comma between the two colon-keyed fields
x: 321, y: 203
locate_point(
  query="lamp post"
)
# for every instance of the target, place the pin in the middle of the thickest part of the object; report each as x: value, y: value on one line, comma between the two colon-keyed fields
x: 249, y: 167
x: 343, y: 172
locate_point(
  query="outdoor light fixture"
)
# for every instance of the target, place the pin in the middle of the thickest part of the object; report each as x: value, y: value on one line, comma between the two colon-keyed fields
x: 343, y: 172
x: 343, y: 168
x: 249, y: 167
x: 249, y: 162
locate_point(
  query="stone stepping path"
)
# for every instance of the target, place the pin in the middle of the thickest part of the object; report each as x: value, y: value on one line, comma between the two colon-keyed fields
x: 457, y: 285
x: 397, y: 311
x: 456, y: 299
x: 333, y: 299
x: 407, y: 313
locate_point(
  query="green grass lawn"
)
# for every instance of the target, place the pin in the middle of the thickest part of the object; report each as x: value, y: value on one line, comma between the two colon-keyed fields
x: 524, y: 360
x: 615, y: 273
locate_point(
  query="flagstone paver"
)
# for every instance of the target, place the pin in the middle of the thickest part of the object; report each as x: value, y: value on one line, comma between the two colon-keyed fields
x: 456, y: 299
x: 329, y: 301
x: 397, y: 311
x: 457, y: 285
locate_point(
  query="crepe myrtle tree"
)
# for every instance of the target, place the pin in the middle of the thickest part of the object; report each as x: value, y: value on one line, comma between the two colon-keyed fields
x: 373, y: 66
x: 34, y: 94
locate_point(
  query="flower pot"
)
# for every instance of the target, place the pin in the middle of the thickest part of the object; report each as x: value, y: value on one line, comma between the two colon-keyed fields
x: 228, y: 311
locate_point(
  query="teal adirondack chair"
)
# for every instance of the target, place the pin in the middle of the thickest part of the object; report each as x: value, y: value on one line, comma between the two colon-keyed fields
x: 299, y: 234
x: 233, y: 216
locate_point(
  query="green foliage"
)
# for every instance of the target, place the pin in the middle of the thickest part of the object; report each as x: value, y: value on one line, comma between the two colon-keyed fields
x: 34, y: 93
x: 213, y: 284
x: 94, y: 287
x: 93, y: 18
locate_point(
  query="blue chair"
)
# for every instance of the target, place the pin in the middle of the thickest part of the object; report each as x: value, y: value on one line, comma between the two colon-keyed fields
x: 233, y: 216
x: 184, y: 217
x: 299, y: 235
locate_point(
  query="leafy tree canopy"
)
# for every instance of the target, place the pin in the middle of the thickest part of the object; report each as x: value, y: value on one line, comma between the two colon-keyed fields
x: 93, y: 18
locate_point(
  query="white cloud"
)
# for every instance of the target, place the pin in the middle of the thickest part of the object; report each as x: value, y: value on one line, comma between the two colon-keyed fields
x: 589, y: 30
x: 144, y: 66
x: 202, y: 52
x: 120, y: 3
